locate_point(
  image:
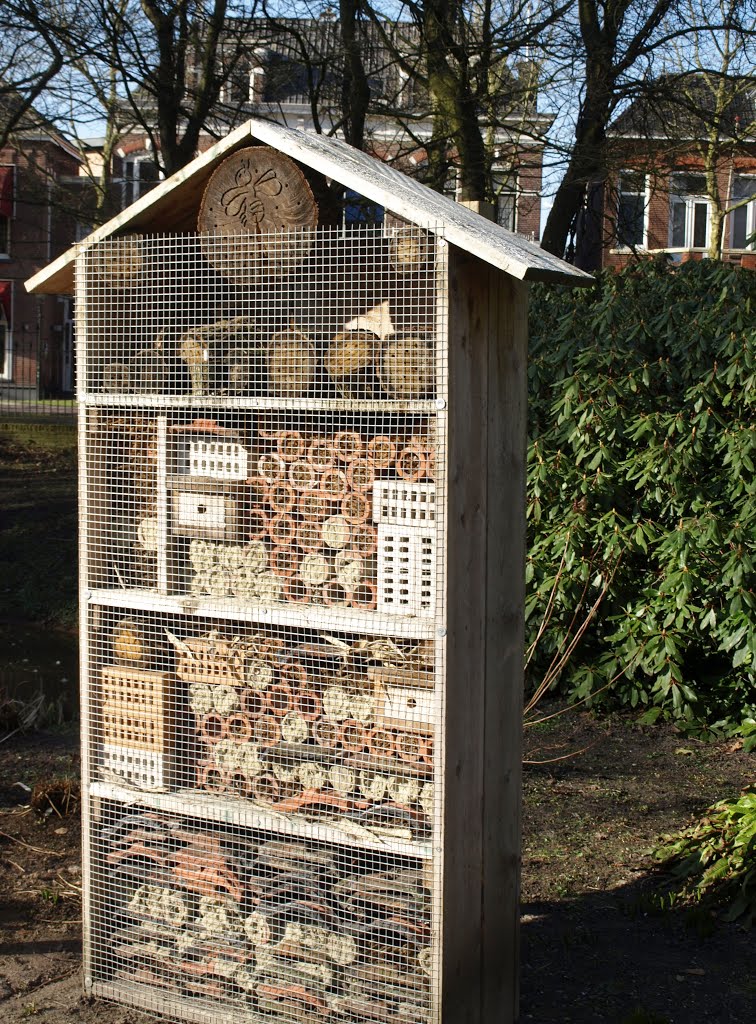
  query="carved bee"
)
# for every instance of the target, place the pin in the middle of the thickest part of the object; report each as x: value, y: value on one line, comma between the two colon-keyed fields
x: 242, y: 199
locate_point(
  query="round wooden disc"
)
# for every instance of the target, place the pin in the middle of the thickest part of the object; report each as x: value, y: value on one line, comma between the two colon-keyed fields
x: 255, y: 193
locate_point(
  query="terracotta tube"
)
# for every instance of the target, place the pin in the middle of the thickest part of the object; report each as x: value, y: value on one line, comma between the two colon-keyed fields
x: 356, y: 507
x: 284, y: 561
x: 294, y: 674
x: 381, y: 742
x: 296, y: 590
x: 265, y: 789
x: 334, y: 481
x: 240, y: 784
x: 239, y: 727
x: 253, y: 702
x: 364, y: 595
x: 257, y: 523
x: 266, y: 731
x: 271, y: 467
x: 381, y: 451
x: 409, y: 747
x: 347, y: 444
x: 309, y: 536
x: 334, y: 593
x: 280, y: 496
x: 308, y: 705
x: 411, y: 464
x: 214, y: 779
x: 291, y: 445
x: 353, y: 736
x: 279, y: 698
x: 282, y: 529
x: 321, y: 454
x: 212, y: 728
x: 364, y: 539
x: 302, y: 476
x: 325, y: 733
x: 361, y: 475
x: 316, y: 505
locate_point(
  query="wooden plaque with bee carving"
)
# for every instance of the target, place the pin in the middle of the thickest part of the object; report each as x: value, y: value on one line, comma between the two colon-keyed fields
x: 257, y: 192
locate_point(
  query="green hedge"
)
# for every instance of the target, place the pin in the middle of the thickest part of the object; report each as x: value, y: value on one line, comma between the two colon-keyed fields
x: 642, y: 488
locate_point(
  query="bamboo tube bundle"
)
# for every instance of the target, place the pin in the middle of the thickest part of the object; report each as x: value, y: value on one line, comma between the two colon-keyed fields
x: 312, y: 775
x: 259, y: 673
x: 336, y: 703
x: 315, y: 570
x: 291, y: 364
x: 407, y: 370
x: 294, y: 727
x: 269, y: 588
x: 351, y: 363
x: 320, y: 454
x: 337, y: 533
x: 343, y: 779
x: 349, y: 569
x: 403, y: 790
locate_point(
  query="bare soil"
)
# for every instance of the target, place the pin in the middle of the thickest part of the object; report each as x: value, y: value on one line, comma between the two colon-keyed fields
x: 601, y: 942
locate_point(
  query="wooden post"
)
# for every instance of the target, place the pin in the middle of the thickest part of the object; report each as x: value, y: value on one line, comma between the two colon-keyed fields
x: 485, y: 636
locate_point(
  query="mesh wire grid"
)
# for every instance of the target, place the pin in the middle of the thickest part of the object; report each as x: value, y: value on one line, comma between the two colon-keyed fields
x: 263, y: 442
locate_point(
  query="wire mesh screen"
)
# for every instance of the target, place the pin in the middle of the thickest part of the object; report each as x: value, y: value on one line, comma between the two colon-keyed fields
x: 263, y: 434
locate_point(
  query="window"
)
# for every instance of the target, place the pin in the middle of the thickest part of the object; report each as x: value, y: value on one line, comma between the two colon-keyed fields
x: 505, y: 190
x: 5, y: 331
x: 743, y: 219
x: 140, y: 174
x: 6, y: 208
x: 631, y: 210
x: 688, y: 212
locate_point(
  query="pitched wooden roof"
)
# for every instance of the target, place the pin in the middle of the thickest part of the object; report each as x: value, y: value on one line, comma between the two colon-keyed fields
x: 173, y: 204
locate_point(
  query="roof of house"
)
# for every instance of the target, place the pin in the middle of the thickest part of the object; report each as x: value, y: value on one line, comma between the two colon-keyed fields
x: 684, y: 107
x: 173, y: 206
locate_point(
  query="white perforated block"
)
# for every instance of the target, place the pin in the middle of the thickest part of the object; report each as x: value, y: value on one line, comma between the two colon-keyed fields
x: 218, y: 460
x: 142, y: 769
x: 406, y: 570
x: 403, y: 504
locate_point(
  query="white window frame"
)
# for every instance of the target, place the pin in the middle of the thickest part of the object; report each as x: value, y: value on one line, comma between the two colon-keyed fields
x: 750, y: 212
x: 5, y: 243
x: 506, y: 182
x: 690, y: 201
x: 620, y: 246
x: 128, y: 182
x: 6, y: 373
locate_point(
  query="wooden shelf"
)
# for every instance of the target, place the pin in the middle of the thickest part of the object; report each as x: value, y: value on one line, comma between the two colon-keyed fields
x: 334, y: 619
x: 231, y: 403
x: 240, y: 813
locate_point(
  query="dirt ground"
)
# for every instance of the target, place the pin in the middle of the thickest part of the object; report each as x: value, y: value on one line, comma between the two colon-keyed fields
x: 600, y: 940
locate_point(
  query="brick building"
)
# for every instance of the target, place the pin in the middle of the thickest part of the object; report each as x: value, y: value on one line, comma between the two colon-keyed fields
x: 37, y: 223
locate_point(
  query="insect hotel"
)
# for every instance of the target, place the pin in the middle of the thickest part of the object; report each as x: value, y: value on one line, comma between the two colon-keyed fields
x: 302, y: 548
